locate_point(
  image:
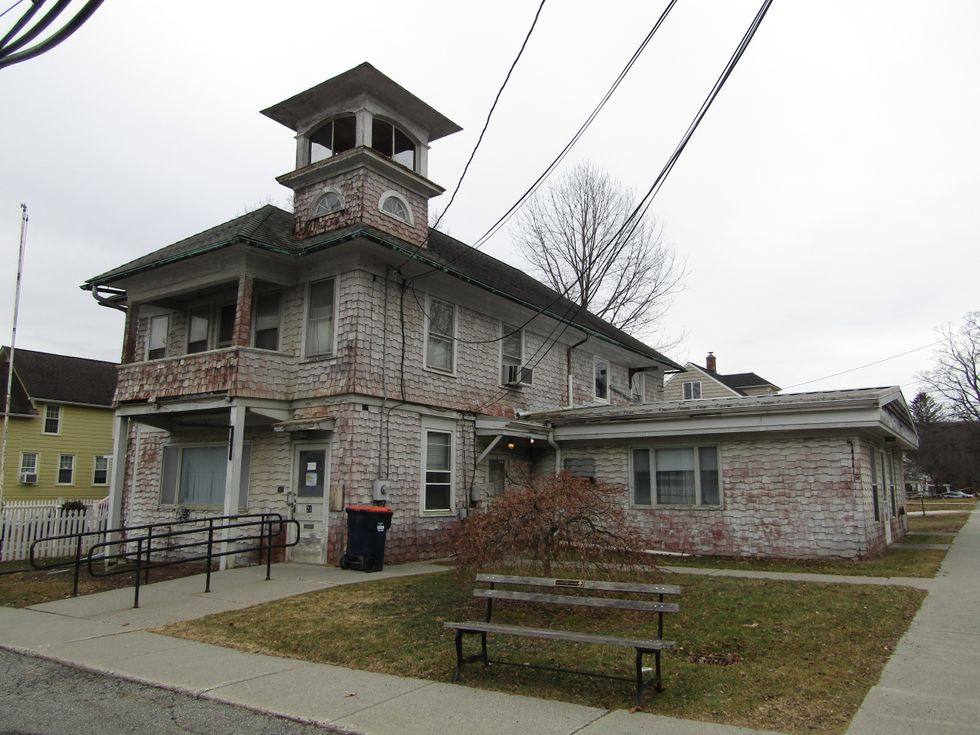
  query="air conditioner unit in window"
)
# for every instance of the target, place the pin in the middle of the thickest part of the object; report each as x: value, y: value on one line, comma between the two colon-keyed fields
x: 28, y: 478
x: 519, y: 375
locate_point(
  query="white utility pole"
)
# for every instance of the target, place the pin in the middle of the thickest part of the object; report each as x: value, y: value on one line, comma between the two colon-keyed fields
x: 10, y: 357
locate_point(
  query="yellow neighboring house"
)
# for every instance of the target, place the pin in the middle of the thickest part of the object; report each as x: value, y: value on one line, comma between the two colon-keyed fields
x: 60, y: 434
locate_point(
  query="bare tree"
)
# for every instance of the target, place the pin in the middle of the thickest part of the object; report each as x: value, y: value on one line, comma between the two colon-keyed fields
x: 576, y: 234
x: 955, y: 375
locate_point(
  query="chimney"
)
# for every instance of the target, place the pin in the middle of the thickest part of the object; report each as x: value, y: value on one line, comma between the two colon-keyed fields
x: 711, y: 363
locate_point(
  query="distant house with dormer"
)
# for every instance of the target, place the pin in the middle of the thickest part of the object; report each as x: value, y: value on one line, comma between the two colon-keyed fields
x: 698, y: 382
x: 60, y: 428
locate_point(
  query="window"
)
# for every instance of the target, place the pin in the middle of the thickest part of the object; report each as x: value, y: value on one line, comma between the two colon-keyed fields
x: 100, y: 472
x: 601, y: 372
x: 332, y: 138
x: 319, y: 318
x: 440, y: 343
x: 874, y: 486
x: 438, y: 483
x: 195, y: 475
x: 210, y: 327
x: 52, y: 419
x: 496, y: 476
x: 888, y: 470
x: 28, y: 463
x: 267, y: 321
x: 198, y: 330
x: 692, y: 390
x: 581, y: 467
x: 66, y: 469
x: 396, y: 206
x: 637, y: 387
x: 329, y: 202
x: 156, y: 345
x: 676, y: 476
x: 511, y: 354
x: 226, y: 325
x: 390, y: 141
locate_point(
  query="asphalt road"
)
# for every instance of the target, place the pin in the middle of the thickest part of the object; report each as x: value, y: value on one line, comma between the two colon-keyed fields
x: 40, y: 697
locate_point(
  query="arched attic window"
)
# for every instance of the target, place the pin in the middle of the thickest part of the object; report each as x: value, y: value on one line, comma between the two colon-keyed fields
x: 329, y: 202
x: 334, y: 137
x: 393, y: 142
x: 394, y: 204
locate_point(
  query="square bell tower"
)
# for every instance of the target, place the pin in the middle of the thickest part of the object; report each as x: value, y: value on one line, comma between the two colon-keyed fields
x: 362, y: 144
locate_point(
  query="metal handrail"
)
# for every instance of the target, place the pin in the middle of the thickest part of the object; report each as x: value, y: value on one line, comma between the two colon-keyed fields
x: 263, y: 527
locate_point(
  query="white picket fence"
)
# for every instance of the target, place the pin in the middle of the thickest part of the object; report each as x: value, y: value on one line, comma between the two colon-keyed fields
x: 24, y: 521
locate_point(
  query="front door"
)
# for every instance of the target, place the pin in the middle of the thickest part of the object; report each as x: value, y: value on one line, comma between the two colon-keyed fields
x: 310, y: 485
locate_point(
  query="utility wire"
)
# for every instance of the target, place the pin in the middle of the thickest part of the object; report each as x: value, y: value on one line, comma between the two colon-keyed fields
x: 861, y: 367
x: 16, y: 3
x: 493, y: 107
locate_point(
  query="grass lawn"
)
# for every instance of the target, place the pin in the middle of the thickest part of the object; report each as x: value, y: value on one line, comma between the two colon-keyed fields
x: 21, y: 586
x: 895, y: 562
x: 806, y: 653
x: 951, y: 522
x: 926, y: 538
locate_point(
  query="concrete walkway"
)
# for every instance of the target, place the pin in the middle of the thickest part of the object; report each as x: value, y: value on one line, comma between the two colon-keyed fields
x: 930, y: 686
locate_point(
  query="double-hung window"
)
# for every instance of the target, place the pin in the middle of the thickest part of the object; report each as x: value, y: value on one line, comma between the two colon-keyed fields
x: 692, y: 390
x: 267, y: 319
x: 437, y: 492
x: 52, y: 419
x: 686, y: 476
x: 210, y: 327
x: 440, y: 345
x: 319, y: 318
x: 195, y: 475
x: 156, y: 343
x: 28, y: 464
x: 100, y: 470
x: 601, y: 375
x: 66, y: 469
x: 874, y: 486
x: 511, y: 354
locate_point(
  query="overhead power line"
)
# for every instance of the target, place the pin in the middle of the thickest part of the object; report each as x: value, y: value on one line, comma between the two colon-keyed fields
x: 26, y: 29
x: 869, y: 364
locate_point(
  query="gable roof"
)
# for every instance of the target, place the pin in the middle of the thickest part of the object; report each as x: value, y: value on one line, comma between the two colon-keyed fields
x: 737, y: 382
x: 63, y: 379
x: 271, y: 228
x: 20, y: 402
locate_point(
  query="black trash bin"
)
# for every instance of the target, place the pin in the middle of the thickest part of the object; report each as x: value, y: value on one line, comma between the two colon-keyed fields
x: 367, y: 526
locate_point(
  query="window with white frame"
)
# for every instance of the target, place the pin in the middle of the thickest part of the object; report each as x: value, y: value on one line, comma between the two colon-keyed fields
x: 601, y: 375
x: 199, y: 330
x: 396, y: 206
x: 874, y: 486
x: 319, y: 318
x: 888, y: 467
x: 100, y: 469
x: 676, y: 476
x: 210, y: 327
x: 194, y: 475
x: 329, y: 202
x: 440, y: 342
x: 268, y: 315
x: 637, y: 386
x: 156, y: 343
x: 66, y: 469
x: 52, y: 419
x: 28, y: 463
x: 511, y: 354
x: 692, y: 390
x: 334, y: 137
x: 437, y: 491
x: 391, y: 141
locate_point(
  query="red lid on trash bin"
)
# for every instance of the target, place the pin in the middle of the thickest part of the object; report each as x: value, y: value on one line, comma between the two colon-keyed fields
x: 369, y: 509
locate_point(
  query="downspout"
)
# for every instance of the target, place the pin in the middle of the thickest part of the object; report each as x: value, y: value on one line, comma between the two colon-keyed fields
x: 554, y: 445
x: 568, y: 368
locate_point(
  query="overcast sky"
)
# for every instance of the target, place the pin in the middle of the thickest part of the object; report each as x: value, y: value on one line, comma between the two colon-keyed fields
x: 826, y: 207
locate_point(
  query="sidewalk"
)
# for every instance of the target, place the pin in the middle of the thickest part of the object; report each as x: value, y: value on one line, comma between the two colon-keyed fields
x: 929, y: 686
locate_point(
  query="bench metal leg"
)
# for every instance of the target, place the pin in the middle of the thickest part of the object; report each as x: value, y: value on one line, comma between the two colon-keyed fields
x: 638, y: 698
x: 483, y: 649
x: 459, y: 654
x: 657, y: 682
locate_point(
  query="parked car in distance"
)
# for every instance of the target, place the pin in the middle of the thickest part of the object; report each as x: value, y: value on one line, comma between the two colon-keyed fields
x: 957, y: 494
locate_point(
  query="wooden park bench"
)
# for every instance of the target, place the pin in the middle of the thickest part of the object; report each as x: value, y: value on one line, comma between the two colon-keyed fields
x: 614, y: 595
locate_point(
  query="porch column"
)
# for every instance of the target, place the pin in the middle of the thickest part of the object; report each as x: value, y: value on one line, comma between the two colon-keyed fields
x: 233, y: 474
x: 242, y: 336
x: 129, y: 335
x: 117, y: 478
